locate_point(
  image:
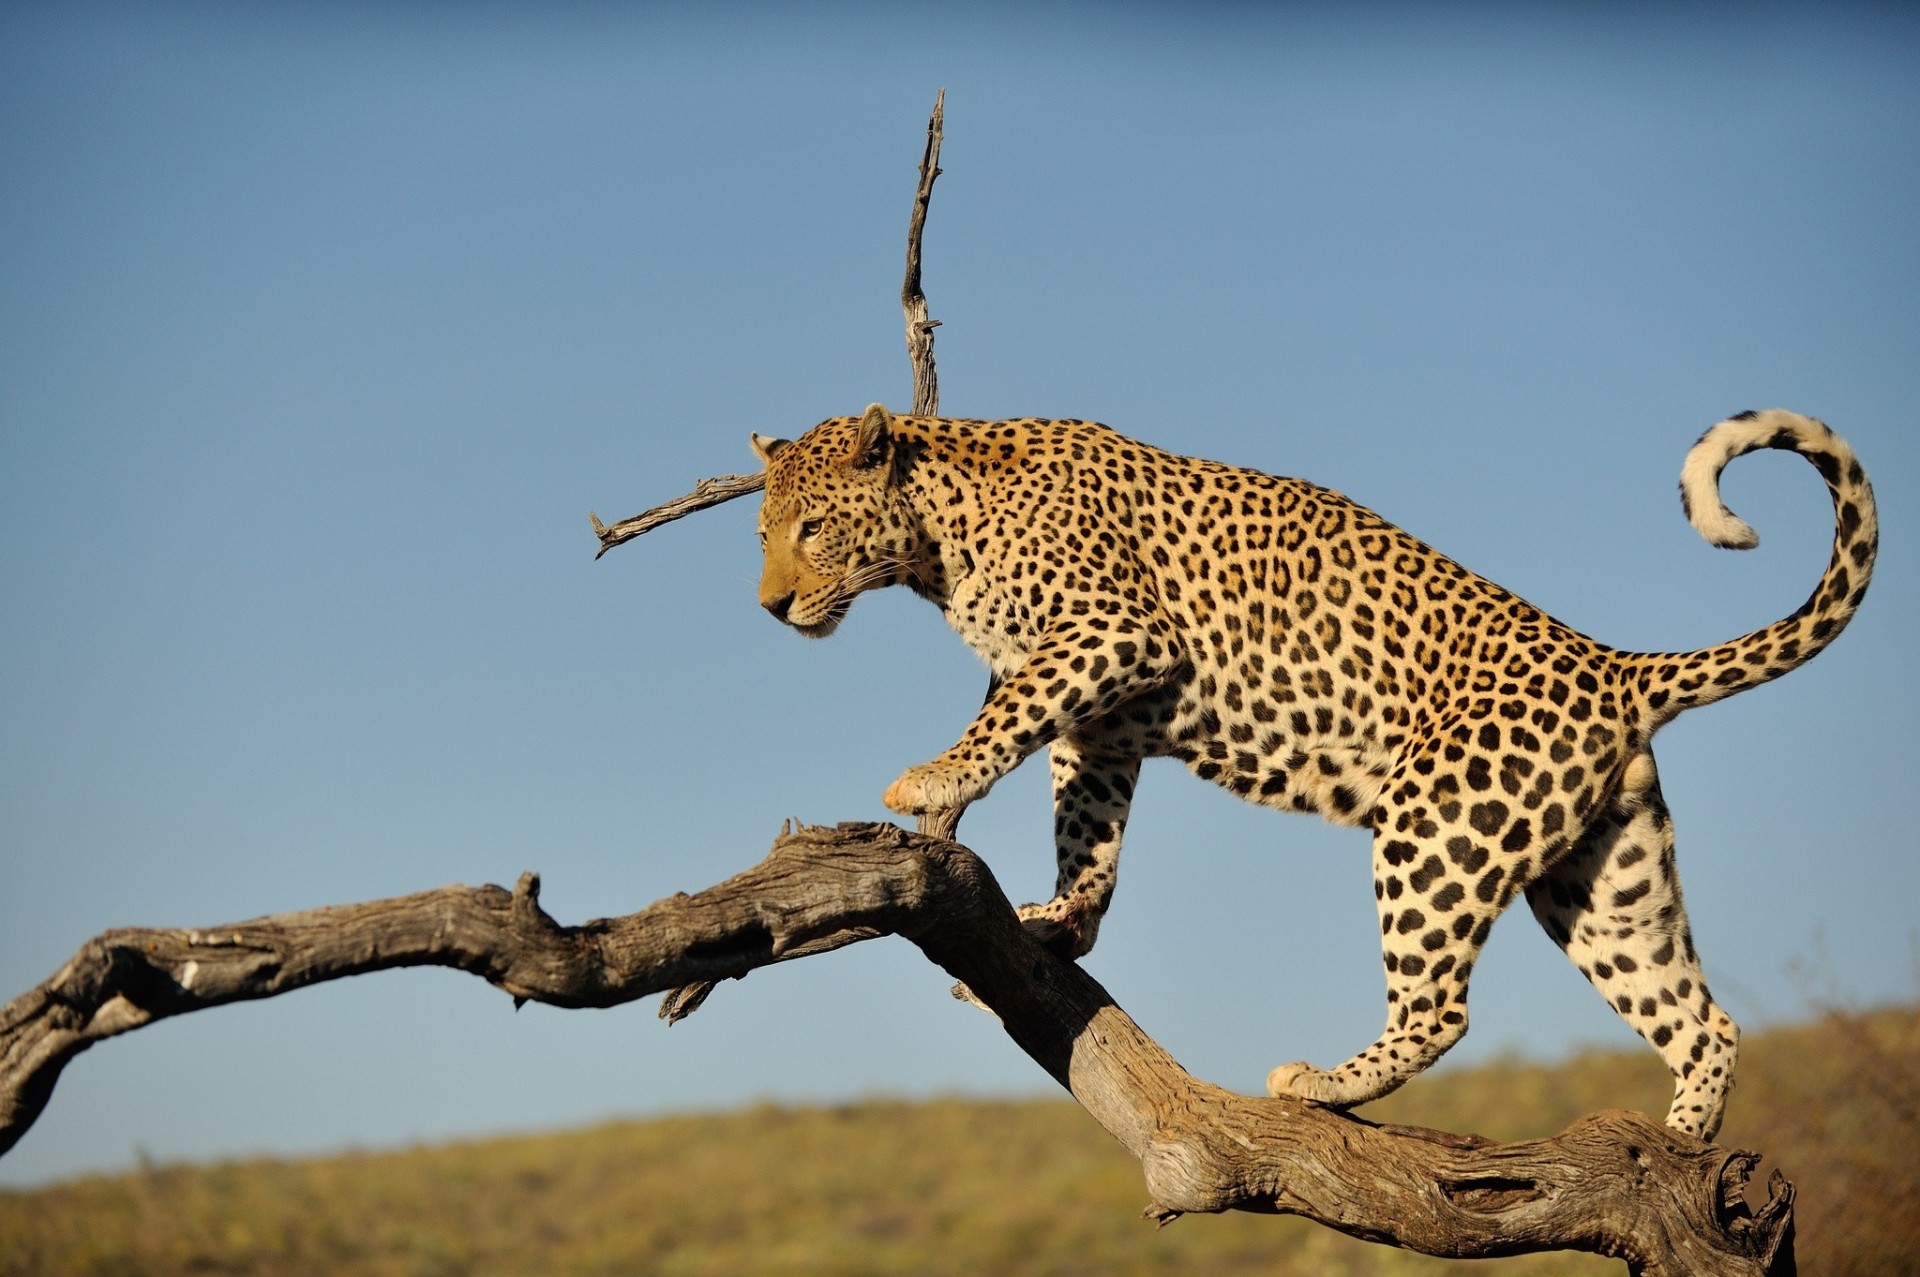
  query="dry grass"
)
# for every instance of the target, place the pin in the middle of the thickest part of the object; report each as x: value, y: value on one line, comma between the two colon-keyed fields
x: 945, y: 1187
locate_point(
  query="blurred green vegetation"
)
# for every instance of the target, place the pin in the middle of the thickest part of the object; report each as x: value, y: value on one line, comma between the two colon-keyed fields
x: 950, y: 1186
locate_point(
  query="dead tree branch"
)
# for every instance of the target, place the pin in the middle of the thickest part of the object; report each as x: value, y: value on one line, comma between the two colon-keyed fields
x: 708, y: 492
x: 1613, y: 1183
x: 913, y: 301
x: 926, y: 383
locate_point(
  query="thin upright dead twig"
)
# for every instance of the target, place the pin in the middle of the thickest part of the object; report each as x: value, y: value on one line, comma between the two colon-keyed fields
x: 926, y: 383
x: 913, y: 301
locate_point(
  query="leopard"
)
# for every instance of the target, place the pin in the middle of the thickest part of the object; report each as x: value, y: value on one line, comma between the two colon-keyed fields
x: 1293, y: 647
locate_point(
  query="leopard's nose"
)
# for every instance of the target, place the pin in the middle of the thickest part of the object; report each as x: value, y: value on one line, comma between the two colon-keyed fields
x: 778, y: 606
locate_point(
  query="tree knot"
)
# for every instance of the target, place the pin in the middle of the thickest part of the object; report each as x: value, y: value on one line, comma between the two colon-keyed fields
x: 1187, y: 1175
x: 1491, y: 1194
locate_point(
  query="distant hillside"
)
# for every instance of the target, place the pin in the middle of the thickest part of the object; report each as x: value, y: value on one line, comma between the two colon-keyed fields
x: 949, y: 1186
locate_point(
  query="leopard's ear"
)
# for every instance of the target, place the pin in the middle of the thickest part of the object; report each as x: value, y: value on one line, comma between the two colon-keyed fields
x: 873, y: 441
x: 767, y: 449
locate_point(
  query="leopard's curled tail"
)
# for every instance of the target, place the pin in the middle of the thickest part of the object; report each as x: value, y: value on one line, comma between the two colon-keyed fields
x: 1673, y: 681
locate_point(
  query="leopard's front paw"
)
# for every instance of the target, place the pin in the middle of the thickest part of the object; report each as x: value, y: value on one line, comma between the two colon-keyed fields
x: 927, y: 788
x: 1302, y: 1081
x: 1061, y: 930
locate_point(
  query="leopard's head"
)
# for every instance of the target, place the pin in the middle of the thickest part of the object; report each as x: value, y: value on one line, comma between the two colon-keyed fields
x: 834, y: 522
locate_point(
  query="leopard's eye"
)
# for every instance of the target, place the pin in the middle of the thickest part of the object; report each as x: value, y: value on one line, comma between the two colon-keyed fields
x: 811, y: 529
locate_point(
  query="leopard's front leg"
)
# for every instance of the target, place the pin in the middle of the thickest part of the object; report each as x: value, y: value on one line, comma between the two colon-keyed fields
x: 1092, y: 790
x: 1075, y: 675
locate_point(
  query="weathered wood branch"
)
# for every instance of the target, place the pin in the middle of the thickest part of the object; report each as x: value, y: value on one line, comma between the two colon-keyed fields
x: 926, y: 382
x: 708, y: 492
x: 1613, y: 1183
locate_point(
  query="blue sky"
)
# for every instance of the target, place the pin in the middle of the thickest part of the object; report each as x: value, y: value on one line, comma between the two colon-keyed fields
x: 323, y: 327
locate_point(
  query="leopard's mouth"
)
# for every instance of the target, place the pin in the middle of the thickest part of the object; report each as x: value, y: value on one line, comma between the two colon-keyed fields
x: 822, y: 618
x: 828, y: 620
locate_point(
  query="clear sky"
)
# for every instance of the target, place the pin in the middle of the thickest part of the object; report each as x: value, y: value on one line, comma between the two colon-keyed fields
x: 322, y: 327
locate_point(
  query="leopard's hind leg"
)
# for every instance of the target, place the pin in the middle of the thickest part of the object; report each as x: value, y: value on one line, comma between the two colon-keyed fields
x: 1443, y: 869
x: 1613, y: 903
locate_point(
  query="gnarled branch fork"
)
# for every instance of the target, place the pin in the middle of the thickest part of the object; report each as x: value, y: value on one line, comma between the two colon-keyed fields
x: 1614, y: 1183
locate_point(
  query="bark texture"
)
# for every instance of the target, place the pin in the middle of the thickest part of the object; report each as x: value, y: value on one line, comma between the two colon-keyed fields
x: 1613, y: 1183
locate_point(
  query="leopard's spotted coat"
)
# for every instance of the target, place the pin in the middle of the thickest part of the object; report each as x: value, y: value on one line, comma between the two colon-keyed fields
x: 1297, y: 649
